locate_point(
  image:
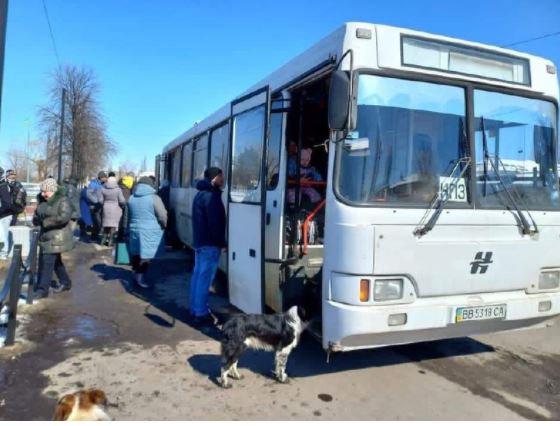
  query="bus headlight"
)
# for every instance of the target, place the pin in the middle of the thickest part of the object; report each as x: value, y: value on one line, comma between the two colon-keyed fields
x: 549, y: 280
x: 388, y: 289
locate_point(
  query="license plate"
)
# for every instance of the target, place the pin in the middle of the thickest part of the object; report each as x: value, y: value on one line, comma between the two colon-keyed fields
x: 476, y: 313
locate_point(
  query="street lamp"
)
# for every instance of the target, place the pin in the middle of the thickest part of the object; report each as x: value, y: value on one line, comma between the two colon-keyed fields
x: 27, y: 153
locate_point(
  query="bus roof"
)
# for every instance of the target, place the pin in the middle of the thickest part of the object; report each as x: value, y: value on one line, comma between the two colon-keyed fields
x: 367, y: 55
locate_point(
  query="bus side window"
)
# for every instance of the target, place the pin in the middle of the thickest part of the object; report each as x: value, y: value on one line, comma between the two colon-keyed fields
x: 200, y: 159
x: 273, y: 153
x: 187, y: 164
x: 176, y: 168
x: 219, y: 143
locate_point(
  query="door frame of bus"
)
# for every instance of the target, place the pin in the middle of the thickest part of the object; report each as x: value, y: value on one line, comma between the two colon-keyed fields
x: 262, y: 180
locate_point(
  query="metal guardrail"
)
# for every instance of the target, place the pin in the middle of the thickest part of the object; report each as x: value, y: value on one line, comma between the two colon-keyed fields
x: 29, y: 270
x: 10, y: 293
x: 18, y: 274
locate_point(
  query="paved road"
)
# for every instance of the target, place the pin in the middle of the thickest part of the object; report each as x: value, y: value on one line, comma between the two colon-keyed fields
x: 136, y: 346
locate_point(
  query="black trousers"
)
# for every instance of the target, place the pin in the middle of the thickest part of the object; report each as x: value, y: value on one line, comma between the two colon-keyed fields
x: 49, y: 263
x: 140, y: 265
x: 97, y: 218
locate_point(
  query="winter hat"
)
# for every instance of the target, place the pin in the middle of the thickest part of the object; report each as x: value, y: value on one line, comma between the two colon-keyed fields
x: 128, y: 181
x: 147, y: 181
x: 101, y: 175
x: 212, y: 172
x: 49, y: 185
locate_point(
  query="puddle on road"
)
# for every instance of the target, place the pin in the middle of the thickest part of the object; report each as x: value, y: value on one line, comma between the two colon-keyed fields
x: 73, y: 328
x: 88, y: 327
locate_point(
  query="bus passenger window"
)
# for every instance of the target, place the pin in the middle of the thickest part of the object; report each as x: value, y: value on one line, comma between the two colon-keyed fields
x: 200, y: 159
x: 273, y: 153
x: 187, y: 164
x: 219, y: 142
x: 176, y: 168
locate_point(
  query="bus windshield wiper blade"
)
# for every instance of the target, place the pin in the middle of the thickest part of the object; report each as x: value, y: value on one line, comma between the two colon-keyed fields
x: 438, y: 203
x: 522, y: 219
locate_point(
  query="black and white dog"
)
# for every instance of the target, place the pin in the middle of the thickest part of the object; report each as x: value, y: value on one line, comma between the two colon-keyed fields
x: 276, y: 333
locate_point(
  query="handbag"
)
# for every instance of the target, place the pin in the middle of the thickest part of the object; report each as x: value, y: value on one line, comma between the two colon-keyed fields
x: 121, y: 254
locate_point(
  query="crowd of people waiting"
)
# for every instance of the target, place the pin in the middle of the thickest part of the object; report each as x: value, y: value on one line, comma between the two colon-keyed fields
x: 108, y: 210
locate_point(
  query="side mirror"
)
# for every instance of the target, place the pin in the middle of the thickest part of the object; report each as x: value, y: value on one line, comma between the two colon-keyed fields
x: 342, y: 102
x: 339, y: 100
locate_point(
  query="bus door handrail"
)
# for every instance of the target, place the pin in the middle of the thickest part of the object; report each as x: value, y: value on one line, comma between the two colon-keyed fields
x: 305, y: 225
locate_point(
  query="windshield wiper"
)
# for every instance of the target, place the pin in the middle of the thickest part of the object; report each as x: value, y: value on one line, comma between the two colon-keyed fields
x: 522, y: 219
x: 438, y: 202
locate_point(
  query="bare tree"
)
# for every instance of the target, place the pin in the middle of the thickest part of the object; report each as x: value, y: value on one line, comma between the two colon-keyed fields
x: 16, y: 159
x: 85, y: 146
x: 32, y: 159
x: 127, y: 166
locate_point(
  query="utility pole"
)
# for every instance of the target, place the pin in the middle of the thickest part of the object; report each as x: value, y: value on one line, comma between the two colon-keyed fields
x: 3, y: 25
x: 28, y: 153
x: 61, y: 135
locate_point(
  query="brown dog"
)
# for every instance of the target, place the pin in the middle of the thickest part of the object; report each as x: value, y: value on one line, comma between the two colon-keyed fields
x: 89, y: 404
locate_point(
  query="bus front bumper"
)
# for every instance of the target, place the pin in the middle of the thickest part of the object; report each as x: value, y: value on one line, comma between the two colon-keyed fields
x: 349, y: 327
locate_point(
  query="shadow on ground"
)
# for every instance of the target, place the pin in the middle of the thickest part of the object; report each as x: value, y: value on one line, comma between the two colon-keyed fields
x: 167, y: 303
x: 167, y: 299
x: 309, y: 359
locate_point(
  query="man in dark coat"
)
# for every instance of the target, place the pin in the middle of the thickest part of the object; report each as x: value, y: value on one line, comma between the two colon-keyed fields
x: 6, y: 212
x: 18, y: 194
x: 53, y: 216
x: 209, y: 229
x: 73, y: 194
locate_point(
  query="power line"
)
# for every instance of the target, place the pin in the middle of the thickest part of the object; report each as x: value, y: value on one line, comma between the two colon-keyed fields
x: 51, y: 32
x: 532, y: 39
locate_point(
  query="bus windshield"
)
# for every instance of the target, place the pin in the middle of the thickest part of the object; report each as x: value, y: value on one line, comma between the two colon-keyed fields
x: 520, y: 134
x: 409, y: 135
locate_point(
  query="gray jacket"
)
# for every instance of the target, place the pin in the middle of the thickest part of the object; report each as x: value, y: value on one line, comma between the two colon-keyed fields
x: 113, y: 202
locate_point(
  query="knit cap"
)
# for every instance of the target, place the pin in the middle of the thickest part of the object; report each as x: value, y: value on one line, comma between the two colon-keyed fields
x: 128, y: 181
x: 212, y: 172
x: 49, y: 185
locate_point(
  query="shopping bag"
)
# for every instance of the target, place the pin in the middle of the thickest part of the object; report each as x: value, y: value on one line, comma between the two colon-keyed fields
x: 121, y: 254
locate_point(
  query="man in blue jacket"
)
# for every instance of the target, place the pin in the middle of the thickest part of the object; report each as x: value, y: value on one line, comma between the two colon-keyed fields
x: 209, y: 230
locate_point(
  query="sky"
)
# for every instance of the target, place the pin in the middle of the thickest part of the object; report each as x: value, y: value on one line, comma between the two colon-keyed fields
x: 164, y: 64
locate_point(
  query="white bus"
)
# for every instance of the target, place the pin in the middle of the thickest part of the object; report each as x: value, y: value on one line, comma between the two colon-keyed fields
x: 426, y: 201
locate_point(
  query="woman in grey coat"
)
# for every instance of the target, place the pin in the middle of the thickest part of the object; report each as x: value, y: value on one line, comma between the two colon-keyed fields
x: 113, y: 202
